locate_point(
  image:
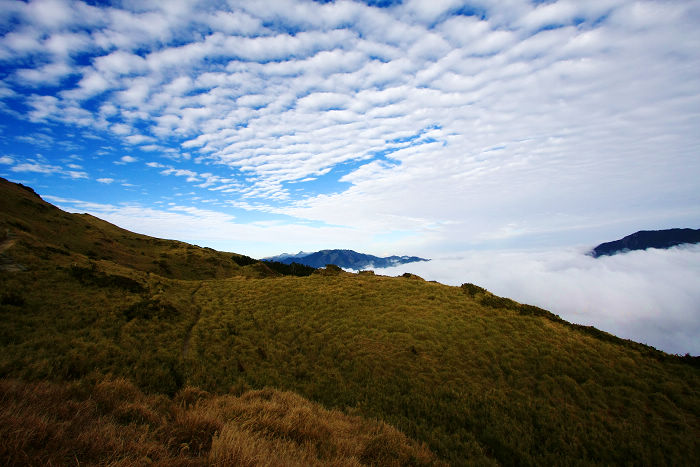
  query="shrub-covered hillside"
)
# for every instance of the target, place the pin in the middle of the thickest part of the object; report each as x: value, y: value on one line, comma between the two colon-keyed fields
x: 480, y: 379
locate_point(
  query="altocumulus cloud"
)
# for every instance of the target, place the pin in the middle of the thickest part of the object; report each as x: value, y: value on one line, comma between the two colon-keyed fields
x: 648, y: 296
x: 454, y: 120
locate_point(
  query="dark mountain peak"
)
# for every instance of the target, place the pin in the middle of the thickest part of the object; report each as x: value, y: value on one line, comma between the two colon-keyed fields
x: 647, y: 239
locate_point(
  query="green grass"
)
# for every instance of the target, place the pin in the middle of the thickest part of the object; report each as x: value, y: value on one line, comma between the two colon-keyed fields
x: 481, y: 379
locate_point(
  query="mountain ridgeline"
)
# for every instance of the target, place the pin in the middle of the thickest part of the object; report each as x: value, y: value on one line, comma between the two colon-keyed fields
x: 647, y: 239
x: 122, y: 349
x: 347, y: 259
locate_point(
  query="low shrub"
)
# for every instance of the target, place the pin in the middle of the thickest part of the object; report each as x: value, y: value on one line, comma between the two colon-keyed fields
x: 293, y: 269
x: 92, y: 276
x: 13, y: 298
x: 243, y: 260
x: 150, y: 309
x: 329, y: 270
x: 471, y: 289
x: 191, y: 432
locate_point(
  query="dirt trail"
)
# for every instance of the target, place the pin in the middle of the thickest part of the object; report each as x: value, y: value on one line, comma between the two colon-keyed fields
x: 198, y: 312
x: 7, y: 263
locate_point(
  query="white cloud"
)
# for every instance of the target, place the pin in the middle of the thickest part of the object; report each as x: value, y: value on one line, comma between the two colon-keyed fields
x: 106, y: 181
x: 19, y: 42
x: 76, y: 174
x: 44, y: 106
x: 558, y: 13
x: 50, y: 13
x: 47, y: 75
x: 648, y: 296
x: 235, y: 23
x: 90, y: 85
x: 127, y: 159
x: 191, y: 176
x: 139, y: 139
x: 119, y: 63
x: 37, y: 167
x: 67, y: 44
x: 121, y: 129
x: 428, y: 12
x: 41, y: 166
x: 6, y: 160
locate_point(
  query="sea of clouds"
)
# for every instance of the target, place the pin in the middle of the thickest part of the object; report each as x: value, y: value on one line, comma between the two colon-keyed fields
x: 650, y: 296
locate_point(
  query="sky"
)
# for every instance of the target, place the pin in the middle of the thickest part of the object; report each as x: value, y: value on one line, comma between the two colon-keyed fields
x: 427, y: 127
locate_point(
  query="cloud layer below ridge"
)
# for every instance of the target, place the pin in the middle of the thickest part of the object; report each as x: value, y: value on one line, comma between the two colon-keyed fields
x: 648, y: 296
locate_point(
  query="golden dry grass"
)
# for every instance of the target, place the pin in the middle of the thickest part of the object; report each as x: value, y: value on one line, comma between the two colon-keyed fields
x: 113, y: 423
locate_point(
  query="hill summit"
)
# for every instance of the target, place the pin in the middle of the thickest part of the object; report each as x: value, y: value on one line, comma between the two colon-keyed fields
x: 647, y: 239
x: 347, y: 259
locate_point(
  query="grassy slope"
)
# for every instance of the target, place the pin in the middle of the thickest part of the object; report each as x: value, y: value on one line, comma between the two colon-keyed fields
x: 479, y: 378
x: 41, y: 232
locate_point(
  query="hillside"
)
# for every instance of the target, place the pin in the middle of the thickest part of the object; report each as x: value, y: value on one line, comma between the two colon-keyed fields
x: 347, y: 259
x: 39, y: 232
x: 647, y: 239
x: 479, y: 378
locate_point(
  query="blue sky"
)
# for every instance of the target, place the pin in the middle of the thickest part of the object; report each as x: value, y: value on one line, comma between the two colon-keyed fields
x: 416, y: 127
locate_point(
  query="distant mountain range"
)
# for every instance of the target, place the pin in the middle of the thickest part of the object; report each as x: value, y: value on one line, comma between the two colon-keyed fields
x: 348, y: 259
x: 647, y: 239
